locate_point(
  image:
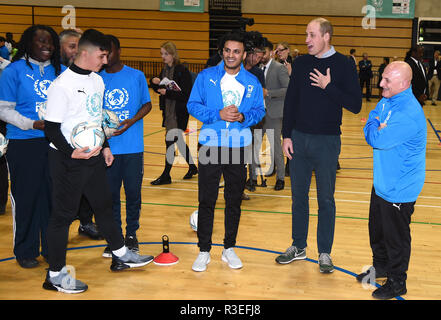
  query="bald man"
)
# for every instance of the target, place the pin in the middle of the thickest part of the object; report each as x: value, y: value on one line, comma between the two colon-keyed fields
x: 396, y: 130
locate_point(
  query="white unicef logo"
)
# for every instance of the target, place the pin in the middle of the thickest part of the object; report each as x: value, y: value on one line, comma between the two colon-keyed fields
x: 94, y: 105
x: 41, y: 87
x: 116, y: 99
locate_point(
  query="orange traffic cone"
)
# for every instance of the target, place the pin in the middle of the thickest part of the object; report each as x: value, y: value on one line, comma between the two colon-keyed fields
x: 166, y: 258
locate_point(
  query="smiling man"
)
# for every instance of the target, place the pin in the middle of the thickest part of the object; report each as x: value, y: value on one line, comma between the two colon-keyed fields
x: 228, y: 100
x: 321, y: 84
x: 396, y: 130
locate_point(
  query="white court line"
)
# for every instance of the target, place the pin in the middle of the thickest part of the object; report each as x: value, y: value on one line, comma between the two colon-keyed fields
x: 275, y: 195
x: 283, y: 196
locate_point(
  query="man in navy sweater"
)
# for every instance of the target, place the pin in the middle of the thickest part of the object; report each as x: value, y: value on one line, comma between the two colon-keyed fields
x: 321, y: 84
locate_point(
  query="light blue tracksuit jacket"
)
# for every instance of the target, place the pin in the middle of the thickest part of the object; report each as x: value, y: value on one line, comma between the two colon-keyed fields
x: 206, y: 101
x: 399, y: 148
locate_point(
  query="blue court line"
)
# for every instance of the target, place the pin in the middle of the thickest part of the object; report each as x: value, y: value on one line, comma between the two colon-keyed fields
x: 218, y: 245
x: 436, y: 131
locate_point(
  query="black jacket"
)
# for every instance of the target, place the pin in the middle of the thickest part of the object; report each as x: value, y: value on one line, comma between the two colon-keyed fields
x: 432, y: 67
x: 419, y: 81
x: 182, y: 77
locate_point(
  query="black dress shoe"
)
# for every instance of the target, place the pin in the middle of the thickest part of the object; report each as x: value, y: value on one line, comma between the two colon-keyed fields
x: 28, y: 263
x: 280, y: 185
x: 391, y: 289
x: 193, y: 170
x: 161, y: 180
x: 250, y: 185
x: 90, y: 230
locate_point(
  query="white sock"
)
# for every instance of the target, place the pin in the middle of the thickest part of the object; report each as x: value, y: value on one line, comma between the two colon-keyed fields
x: 53, y: 273
x: 120, y: 252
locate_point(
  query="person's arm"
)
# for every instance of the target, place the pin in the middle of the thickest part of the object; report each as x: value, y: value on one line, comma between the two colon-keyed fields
x: 8, y: 100
x: 256, y: 113
x: 397, y: 130
x: 283, y: 77
x: 197, y: 106
x: 126, y: 124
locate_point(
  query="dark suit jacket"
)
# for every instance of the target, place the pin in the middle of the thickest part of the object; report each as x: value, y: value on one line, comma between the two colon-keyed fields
x: 432, y: 67
x: 419, y: 81
x: 365, y: 69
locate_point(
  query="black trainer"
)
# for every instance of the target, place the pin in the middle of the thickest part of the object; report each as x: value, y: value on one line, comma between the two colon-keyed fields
x: 90, y: 230
x: 391, y: 289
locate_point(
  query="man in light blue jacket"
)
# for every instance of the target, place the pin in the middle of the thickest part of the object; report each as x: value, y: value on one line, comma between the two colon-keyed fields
x: 227, y: 99
x: 396, y: 129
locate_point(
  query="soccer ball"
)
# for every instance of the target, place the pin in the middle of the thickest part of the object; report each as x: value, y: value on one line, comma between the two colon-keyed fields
x: 110, y: 122
x: 42, y: 110
x: 87, y: 134
x: 194, y: 220
x: 3, y: 145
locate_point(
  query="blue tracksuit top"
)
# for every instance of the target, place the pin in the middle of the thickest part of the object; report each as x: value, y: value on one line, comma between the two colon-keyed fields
x: 399, y: 148
x: 205, y: 102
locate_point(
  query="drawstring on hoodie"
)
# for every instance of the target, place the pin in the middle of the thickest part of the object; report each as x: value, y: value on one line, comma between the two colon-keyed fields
x: 41, y: 65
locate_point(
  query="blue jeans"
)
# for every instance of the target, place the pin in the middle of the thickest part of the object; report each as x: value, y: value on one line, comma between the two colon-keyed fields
x: 127, y: 169
x: 318, y: 153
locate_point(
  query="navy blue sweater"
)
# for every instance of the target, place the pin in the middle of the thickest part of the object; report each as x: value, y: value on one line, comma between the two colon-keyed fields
x: 314, y: 110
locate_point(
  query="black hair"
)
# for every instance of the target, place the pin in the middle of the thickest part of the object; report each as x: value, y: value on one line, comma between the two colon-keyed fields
x: 95, y: 38
x: 268, y: 44
x: 114, y: 40
x: 25, y: 46
x: 2, y: 39
x: 253, y: 40
x: 387, y: 59
x: 352, y: 51
x: 238, y: 36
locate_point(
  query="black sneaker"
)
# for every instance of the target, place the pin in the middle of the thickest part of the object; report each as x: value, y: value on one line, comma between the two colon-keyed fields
x: 131, y: 242
x: 64, y: 282
x: 392, y: 288
x: 367, y: 274
x: 90, y: 230
x: 129, y: 260
x: 107, y: 252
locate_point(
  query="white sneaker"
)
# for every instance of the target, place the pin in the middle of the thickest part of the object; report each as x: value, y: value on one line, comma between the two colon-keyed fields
x: 200, y: 264
x: 230, y: 257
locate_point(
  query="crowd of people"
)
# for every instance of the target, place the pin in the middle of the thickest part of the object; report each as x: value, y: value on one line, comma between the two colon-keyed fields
x: 425, y: 76
x: 249, y: 88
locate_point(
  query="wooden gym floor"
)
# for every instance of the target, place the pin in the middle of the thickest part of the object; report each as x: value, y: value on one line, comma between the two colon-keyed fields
x: 265, y: 231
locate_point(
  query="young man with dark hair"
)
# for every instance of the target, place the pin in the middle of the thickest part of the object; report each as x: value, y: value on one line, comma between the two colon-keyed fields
x: 126, y: 94
x: 228, y: 100
x: 77, y: 96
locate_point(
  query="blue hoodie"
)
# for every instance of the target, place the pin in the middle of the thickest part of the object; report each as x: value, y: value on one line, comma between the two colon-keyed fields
x: 399, y: 148
x: 205, y: 102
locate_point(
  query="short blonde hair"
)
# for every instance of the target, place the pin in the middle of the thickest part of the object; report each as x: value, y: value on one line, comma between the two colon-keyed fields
x: 325, y: 27
x: 171, y: 49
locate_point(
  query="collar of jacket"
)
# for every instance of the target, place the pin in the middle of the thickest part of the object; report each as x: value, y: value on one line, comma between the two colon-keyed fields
x: 241, y: 76
x: 399, y: 97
